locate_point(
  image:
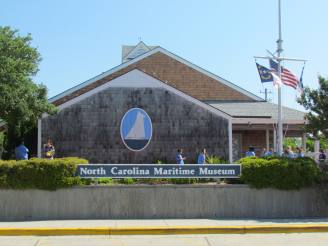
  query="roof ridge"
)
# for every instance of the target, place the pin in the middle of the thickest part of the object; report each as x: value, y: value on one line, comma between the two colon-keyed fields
x: 146, y: 54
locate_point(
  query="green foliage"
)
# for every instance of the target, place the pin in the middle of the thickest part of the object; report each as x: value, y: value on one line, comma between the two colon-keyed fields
x: 104, y: 181
x: 278, y: 172
x: 1, y: 143
x: 310, y: 143
x: 183, y: 181
x: 127, y: 181
x: 316, y: 101
x: 40, y: 173
x: 214, y: 160
x: 22, y: 101
x: 292, y: 142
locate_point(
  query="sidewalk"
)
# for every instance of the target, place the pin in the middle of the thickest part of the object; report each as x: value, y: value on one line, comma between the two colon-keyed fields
x: 161, y: 227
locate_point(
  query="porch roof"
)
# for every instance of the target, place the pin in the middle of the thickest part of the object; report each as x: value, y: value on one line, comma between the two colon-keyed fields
x: 258, y: 112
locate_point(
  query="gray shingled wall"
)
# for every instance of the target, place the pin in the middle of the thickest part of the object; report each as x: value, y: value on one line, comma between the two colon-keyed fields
x: 91, y: 127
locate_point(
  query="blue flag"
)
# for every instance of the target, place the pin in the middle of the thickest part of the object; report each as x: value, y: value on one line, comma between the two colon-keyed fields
x: 265, y: 73
x: 274, y: 65
x: 300, y: 84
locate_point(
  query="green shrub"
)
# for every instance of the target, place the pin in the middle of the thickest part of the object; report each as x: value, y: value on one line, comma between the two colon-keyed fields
x: 278, y: 172
x: 183, y: 181
x: 40, y: 173
x: 127, y: 181
x: 212, y: 159
x: 104, y: 181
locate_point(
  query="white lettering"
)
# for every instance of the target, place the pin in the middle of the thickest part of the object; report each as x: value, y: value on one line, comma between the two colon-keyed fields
x: 206, y: 171
x: 96, y: 171
x: 158, y: 171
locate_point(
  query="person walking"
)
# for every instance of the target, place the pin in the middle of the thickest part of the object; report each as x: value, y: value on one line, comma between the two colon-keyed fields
x: 202, y: 157
x: 179, y: 158
x: 21, y: 152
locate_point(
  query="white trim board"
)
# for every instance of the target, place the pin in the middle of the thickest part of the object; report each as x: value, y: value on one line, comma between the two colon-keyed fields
x: 237, y: 121
x: 149, y: 53
x: 138, y: 79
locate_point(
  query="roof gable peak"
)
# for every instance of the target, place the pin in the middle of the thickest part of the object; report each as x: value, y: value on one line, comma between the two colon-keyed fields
x: 152, y: 50
x: 131, y: 52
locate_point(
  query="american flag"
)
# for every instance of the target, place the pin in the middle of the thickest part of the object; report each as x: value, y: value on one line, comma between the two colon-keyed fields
x: 287, y: 77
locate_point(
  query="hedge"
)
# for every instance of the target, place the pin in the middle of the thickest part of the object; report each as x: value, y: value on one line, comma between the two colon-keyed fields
x: 278, y: 172
x: 40, y: 173
x: 274, y: 172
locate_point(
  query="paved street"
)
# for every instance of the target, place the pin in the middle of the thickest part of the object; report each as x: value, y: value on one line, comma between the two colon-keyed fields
x: 305, y: 239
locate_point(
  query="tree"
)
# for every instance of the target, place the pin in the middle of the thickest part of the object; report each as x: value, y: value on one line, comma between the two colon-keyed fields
x: 22, y: 101
x: 310, y: 143
x: 1, y: 143
x: 316, y: 101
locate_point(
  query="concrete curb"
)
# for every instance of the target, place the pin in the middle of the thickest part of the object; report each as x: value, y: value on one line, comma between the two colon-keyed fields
x: 165, y: 230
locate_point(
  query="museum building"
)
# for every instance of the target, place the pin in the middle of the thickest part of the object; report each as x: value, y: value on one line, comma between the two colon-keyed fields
x: 155, y: 102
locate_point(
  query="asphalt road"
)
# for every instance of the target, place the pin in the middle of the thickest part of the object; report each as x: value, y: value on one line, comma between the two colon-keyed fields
x: 299, y: 239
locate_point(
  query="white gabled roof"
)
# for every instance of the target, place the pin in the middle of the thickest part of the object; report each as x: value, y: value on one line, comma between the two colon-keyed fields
x: 149, y: 53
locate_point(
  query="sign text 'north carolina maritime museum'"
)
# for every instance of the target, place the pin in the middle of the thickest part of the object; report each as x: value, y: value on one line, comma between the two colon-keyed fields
x: 158, y: 171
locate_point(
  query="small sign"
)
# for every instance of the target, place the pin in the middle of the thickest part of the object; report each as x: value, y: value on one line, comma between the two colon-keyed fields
x: 158, y: 171
x: 136, y: 129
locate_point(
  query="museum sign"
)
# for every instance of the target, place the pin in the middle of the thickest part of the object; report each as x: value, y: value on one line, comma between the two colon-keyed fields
x: 158, y: 171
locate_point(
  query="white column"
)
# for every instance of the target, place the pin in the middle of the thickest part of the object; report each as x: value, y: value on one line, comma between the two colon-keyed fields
x: 267, y: 139
x: 316, y: 146
x: 39, y: 138
x: 230, y: 141
x: 274, y: 140
x: 304, y: 142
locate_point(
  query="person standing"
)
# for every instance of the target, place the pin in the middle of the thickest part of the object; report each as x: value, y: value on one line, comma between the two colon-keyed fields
x: 202, y: 157
x: 322, y: 156
x: 250, y: 152
x: 288, y: 152
x: 49, y: 150
x: 263, y: 153
x: 270, y: 152
x: 21, y: 152
x: 179, y: 158
x: 299, y: 152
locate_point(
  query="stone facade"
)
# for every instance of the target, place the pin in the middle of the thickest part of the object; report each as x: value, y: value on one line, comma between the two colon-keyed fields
x: 91, y: 128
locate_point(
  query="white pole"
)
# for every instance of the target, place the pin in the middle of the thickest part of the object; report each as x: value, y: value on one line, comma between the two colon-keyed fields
x: 230, y: 142
x: 267, y: 139
x: 39, y: 137
x: 279, y: 50
x: 275, y: 140
x: 304, y: 142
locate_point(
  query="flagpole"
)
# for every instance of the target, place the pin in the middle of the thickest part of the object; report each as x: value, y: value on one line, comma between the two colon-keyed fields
x: 278, y: 58
x: 279, y: 50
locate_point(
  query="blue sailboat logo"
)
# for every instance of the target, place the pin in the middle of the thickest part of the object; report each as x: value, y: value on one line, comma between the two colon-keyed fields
x: 136, y: 129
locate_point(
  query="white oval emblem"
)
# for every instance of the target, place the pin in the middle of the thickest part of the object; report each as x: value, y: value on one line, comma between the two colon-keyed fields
x: 136, y: 129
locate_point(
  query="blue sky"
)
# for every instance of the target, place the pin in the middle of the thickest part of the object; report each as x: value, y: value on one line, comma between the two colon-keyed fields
x: 81, y: 39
